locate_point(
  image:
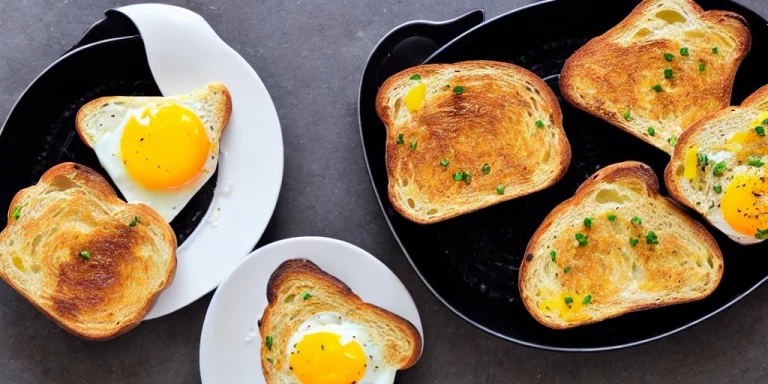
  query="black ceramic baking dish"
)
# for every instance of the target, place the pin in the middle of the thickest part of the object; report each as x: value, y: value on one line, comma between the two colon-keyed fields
x: 471, y: 262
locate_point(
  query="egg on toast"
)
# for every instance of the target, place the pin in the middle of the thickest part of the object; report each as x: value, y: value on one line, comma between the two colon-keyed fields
x: 464, y: 136
x: 658, y: 71
x: 89, y: 261
x: 719, y: 166
x: 316, y: 330
x: 616, y: 246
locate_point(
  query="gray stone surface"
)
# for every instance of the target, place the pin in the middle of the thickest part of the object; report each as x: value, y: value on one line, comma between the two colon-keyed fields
x: 310, y: 54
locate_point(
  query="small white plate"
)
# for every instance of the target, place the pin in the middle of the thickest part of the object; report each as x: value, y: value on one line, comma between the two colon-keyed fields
x: 226, y: 356
x: 184, y: 53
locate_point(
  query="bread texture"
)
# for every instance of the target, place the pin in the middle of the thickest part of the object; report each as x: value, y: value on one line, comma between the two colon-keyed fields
x: 288, y: 308
x: 665, y: 66
x: 89, y: 261
x: 213, y: 104
x: 638, y: 251
x: 732, y: 136
x: 484, y: 132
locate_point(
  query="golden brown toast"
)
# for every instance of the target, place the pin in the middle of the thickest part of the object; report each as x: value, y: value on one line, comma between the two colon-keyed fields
x: 89, y: 261
x: 464, y: 136
x: 663, y: 67
x: 616, y: 246
x: 299, y: 290
x: 733, y: 199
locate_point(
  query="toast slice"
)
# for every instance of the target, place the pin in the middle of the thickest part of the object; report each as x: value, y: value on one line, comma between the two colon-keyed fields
x: 298, y: 291
x: 464, y: 136
x: 86, y: 259
x: 616, y: 246
x: 213, y: 104
x: 663, y: 67
x: 734, y: 198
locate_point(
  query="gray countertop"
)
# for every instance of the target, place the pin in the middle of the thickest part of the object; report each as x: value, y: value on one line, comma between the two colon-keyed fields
x: 310, y: 54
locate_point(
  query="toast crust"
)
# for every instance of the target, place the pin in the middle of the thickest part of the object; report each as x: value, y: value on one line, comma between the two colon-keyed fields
x: 637, y: 175
x: 332, y: 296
x: 221, y: 113
x: 80, y: 295
x: 616, y: 72
x: 492, y: 122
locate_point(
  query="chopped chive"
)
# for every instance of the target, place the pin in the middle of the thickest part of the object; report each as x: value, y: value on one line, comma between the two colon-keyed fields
x: 458, y: 89
x: 500, y: 189
x: 567, y: 269
x: 85, y: 255
x: 668, y: 73
x: 486, y: 169
x: 755, y: 161
x: 413, y: 144
x: 467, y: 177
x: 581, y: 239
x: 553, y: 255
x: 400, y: 139
x: 588, y: 222
x: 760, y: 130
x: 719, y: 169
x: 444, y: 162
x: 703, y: 159
x: 684, y: 51
x: 271, y: 360
x: 269, y: 341
x: 612, y: 217
x: 718, y: 189
x: 306, y: 296
x: 702, y: 67
x: 627, y: 114
x: 637, y: 220
x: 16, y: 212
x: 458, y: 176
x: 539, y: 124
x: 657, y: 88
x: 651, y: 238
x: 765, y: 122
x: 568, y: 300
x: 134, y: 221
x: 716, y: 51
x: 634, y: 241
x: 669, y: 57
x: 587, y: 299
x: 761, y: 234
x: 672, y: 141
x: 651, y: 131
x: 416, y: 77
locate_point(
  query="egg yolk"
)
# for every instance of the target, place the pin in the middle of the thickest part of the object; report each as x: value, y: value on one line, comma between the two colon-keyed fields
x: 320, y: 358
x: 166, y: 147
x: 691, y: 162
x: 415, y: 97
x: 745, y: 204
x: 566, y: 310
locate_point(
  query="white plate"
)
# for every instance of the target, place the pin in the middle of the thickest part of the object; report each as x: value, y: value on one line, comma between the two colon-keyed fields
x: 184, y: 53
x: 226, y: 356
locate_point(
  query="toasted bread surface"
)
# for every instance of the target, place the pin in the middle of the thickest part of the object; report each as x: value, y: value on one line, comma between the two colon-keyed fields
x: 213, y: 104
x: 495, y: 127
x: 69, y: 248
x: 638, y: 251
x: 399, y: 340
x: 731, y: 136
x: 624, y: 78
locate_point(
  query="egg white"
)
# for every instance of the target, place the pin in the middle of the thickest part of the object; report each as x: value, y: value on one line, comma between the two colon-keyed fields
x: 168, y: 203
x: 376, y: 371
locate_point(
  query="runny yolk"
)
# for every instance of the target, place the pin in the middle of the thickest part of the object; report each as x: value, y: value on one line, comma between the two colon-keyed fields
x: 568, y: 311
x: 745, y: 204
x: 691, y: 162
x: 415, y: 97
x: 165, y: 148
x: 320, y: 358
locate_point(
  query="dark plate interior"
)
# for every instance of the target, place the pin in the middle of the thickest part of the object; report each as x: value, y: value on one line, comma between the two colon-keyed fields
x: 40, y: 132
x: 471, y: 262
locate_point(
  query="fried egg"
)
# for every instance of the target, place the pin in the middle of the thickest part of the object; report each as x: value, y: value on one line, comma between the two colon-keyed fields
x: 329, y: 349
x: 158, y: 151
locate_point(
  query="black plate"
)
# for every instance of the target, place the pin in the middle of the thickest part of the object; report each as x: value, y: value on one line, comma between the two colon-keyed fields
x: 471, y: 262
x: 109, y: 60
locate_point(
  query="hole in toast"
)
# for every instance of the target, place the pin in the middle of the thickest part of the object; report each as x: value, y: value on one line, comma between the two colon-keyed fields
x: 670, y: 16
x: 432, y: 211
x: 404, y: 183
x: 637, y: 271
x: 59, y: 211
x: 19, y: 264
x: 289, y: 298
x: 640, y: 34
x: 35, y: 268
x: 36, y: 241
x: 411, y: 203
x: 61, y: 183
x: 546, y: 156
x: 610, y: 196
x: 710, y: 262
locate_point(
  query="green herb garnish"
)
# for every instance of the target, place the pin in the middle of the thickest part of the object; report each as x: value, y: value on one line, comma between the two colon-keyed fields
x: 458, y: 176
x: 684, y: 51
x: 134, y: 221
x: 399, y: 139
x: 627, y: 115
x: 718, y: 189
x: 85, y: 255
x: 651, y: 131
x: 760, y: 130
x: 755, y: 161
x: 271, y: 360
x: 669, y: 57
x: 633, y: 241
x: 651, y: 238
x: 719, y: 169
x: 672, y: 141
x: 761, y: 234
x: 416, y: 77
x: 703, y: 159
x: 486, y: 169
x: 413, y: 144
x: 588, y: 222
x: 539, y: 124
x: 553, y: 255
x: 668, y: 73
x: 567, y: 269
x: 702, y: 67
x: 716, y: 50
x: 306, y: 296
x: 568, y: 300
x: 657, y: 88
x: 637, y: 220
x: 444, y: 162
x: 458, y: 89
x: 587, y: 299
x: 467, y: 177
x: 16, y: 212
x: 612, y: 217
x: 269, y: 341
x: 500, y: 189
x: 582, y: 239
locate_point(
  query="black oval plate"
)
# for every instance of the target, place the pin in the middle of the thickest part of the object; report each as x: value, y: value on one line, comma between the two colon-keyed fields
x: 39, y: 133
x: 471, y: 262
